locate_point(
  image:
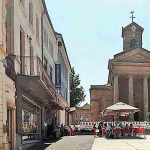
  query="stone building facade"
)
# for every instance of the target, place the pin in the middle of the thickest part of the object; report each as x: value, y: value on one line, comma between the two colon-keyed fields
x: 129, y: 73
x: 32, y: 47
x: 7, y: 92
x: 63, y: 91
x: 101, y: 97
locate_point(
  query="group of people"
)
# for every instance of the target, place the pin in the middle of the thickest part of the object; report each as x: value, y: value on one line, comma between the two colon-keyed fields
x: 54, y: 131
x: 109, y: 129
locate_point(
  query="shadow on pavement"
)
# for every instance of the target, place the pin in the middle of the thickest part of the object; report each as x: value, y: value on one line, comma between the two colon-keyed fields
x: 43, y: 145
x: 39, y: 146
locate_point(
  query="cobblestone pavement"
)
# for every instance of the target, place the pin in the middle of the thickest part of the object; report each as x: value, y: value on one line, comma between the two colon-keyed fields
x: 73, y: 143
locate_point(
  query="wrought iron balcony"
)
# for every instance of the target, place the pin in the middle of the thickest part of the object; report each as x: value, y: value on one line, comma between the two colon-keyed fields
x: 42, y: 72
x: 30, y: 66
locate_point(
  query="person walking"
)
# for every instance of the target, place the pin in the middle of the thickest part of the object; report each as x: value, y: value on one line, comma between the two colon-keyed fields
x: 62, y: 130
x: 100, y: 129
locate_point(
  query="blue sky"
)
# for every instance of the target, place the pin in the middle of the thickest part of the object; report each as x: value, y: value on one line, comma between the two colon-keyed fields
x: 92, y: 33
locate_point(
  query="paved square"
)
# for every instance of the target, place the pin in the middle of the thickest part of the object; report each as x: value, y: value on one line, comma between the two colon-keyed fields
x: 121, y: 144
x: 73, y: 143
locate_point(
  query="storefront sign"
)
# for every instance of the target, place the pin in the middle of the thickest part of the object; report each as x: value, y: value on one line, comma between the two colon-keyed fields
x: 57, y: 75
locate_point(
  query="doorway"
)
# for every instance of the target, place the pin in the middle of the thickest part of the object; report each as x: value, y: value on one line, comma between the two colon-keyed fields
x: 10, y: 127
x: 136, y: 116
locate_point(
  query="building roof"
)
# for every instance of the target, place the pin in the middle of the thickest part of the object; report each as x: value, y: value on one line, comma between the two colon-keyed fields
x: 49, y: 19
x: 96, y: 87
x: 131, y: 24
x: 124, y: 52
x: 86, y: 106
x: 56, y: 33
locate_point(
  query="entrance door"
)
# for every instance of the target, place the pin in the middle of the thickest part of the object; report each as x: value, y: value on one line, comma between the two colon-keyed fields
x: 10, y: 128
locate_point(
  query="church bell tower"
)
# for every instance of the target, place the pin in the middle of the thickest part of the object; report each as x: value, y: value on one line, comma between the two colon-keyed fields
x: 132, y: 36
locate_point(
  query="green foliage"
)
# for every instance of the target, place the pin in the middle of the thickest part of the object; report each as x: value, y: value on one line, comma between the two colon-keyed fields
x: 77, y: 92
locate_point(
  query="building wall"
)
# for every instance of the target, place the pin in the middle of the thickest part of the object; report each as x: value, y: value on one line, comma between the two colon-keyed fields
x: 100, y: 98
x: 62, y: 115
x: 50, y: 46
x: 7, y: 88
x: 80, y: 115
x: 64, y: 90
x: 138, y: 96
x: 20, y: 19
x: 1, y: 23
x: 149, y: 94
x: 65, y: 69
x: 123, y: 89
x: 64, y: 76
x: 3, y: 107
x: 129, y: 34
x: 11, y: 106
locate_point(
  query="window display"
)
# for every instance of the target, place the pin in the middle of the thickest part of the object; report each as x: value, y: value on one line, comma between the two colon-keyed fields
x: 29, y: 122
x: 29, y: 127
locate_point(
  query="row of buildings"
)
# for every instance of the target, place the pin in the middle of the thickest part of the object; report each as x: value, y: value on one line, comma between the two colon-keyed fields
x: 34, y: 74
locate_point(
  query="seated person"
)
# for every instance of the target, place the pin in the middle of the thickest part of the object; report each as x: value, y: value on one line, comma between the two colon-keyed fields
x: 131, y: 128
x: 126, y: 127
x: 108, y: 130
x: 118, y: 126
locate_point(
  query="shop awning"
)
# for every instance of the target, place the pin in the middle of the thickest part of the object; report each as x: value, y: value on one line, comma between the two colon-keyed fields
x: 72, y: 109
x: 62, y: 101
x: 55, y: 105
x: 35, y: 86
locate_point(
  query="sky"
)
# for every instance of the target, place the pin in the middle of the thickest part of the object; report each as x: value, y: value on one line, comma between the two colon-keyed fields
x: 92, y: 33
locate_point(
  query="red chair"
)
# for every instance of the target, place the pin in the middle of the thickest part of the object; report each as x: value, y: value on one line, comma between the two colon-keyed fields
x: 117, y: 132
x: 103, y: 132
x: 139, y: 131
x: 126, y: 132
x: 96, y: 131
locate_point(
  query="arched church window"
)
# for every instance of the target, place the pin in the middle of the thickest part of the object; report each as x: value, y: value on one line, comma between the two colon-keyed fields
x: 132, y: 43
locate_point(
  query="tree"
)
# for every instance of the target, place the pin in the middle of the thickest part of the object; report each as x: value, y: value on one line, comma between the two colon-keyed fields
x: 77, y: 92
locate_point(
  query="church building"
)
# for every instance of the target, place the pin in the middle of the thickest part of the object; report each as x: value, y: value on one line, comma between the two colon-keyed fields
x: 129, y: 77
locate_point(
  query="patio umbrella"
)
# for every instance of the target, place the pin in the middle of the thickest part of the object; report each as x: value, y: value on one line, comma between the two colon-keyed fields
x: 120, y: 109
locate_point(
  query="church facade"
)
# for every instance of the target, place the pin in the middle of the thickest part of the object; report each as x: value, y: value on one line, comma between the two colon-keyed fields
x: 129, y: 77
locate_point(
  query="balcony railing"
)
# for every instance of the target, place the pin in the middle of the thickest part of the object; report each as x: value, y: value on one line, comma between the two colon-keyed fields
x: 30, y: 66
x: 10, y: 70
x: 42, y: 72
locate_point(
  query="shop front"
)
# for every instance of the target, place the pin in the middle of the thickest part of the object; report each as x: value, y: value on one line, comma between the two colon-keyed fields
x: 51, y: 123
x: 32, y: 96
x: 31, y: 123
